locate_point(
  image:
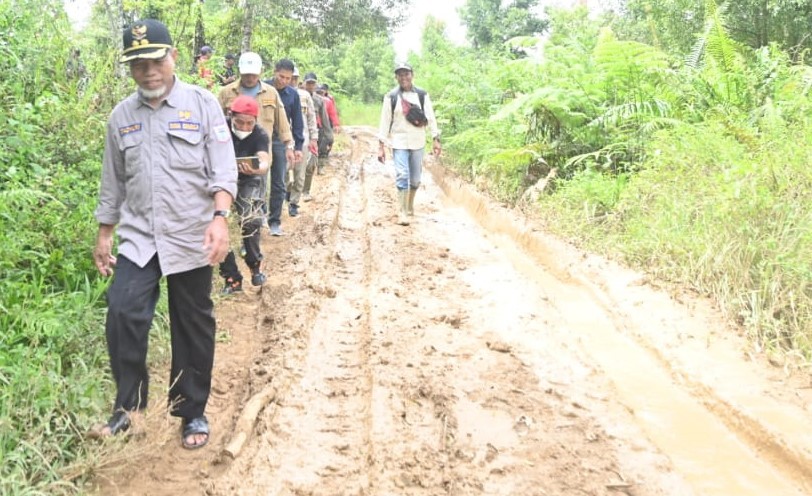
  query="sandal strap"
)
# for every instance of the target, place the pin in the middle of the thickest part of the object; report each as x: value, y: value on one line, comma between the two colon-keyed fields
x: 197, y: 425
x: 119, y: 422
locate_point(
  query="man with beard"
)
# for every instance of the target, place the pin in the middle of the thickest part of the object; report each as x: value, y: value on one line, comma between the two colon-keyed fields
x: 169, y: 176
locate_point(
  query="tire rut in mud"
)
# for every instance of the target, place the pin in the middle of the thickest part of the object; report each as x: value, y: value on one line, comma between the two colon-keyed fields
x: 417, y: 360
x: 317, y: 435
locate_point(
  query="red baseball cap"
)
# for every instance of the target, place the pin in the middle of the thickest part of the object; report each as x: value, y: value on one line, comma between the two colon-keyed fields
x: 245, y: 104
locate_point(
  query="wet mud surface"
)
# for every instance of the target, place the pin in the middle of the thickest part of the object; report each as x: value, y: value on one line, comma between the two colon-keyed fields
x: 465, y: 354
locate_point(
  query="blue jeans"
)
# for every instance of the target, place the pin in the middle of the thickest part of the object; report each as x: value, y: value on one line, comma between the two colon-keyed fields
x: 279, y: 169
x: 408, y: 168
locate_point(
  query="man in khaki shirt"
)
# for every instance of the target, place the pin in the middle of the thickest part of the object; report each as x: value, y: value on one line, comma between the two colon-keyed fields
x: 169, y: 176
x: 311, y: 140
x: 272, y: 116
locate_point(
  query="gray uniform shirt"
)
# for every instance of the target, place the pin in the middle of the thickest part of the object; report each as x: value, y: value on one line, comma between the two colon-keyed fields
x: 160, y: 171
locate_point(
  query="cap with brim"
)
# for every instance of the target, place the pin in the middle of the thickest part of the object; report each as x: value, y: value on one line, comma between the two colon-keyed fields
x: 310, y: 77
x: 403, y: 67
x: 250, y: 63
x: 146, y: 39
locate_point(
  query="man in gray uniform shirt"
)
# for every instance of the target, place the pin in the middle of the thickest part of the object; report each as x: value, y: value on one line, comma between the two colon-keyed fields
x: 169, y: 176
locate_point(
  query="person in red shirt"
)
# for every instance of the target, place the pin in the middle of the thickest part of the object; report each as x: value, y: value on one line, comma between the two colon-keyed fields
x: 332, y: 113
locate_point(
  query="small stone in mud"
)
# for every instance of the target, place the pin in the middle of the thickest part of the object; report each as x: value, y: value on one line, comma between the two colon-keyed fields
x: 499, y: 346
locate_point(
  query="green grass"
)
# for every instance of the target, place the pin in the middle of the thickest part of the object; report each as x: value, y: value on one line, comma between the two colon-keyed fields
x: 359, y: 114
x: 727, y: 219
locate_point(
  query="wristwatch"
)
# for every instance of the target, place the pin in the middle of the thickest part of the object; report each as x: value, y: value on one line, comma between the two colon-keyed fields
x: 221, y: 213
x: 290, y: 146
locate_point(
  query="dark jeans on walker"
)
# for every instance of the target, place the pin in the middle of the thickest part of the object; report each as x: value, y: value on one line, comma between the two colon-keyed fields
x: 279, y: 169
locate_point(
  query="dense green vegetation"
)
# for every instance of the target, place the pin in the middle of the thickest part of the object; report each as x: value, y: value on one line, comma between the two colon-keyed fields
x: 691, y: 163
x: 679, y: 138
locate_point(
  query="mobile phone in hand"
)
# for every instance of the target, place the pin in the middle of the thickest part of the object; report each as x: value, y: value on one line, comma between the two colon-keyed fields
x: 252, y: 161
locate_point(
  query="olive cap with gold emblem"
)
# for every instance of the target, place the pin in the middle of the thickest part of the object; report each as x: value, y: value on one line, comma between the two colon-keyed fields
x: 146, y: 39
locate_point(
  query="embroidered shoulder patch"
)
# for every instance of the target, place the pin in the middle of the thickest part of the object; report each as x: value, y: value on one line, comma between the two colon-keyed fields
x: 132, y: 128
x: 221, y: 133
x: 267, y: 101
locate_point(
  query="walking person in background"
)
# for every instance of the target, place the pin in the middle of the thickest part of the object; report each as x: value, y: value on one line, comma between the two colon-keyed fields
x: 251, y: 148
x: 326, y: 146
x: 168, y: 179
x: 325, y: 131
x: 272, y: 118
x: 332, y: 107
x: 202, y: 65
x: 227, y: 75
x: 282, y: 76
x: 311, y: 137
x: 406, y: 116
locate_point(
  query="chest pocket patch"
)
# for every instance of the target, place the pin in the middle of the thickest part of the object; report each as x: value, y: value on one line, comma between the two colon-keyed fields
x: 130, y: 147
x: 186, y: 151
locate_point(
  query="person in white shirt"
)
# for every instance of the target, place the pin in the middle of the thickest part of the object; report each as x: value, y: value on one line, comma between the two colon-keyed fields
x: 406, y: 116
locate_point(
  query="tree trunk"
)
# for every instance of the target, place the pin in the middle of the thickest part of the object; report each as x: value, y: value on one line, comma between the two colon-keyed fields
x: 247, y: 26
x: 200, y: 30
x: 116, y: 23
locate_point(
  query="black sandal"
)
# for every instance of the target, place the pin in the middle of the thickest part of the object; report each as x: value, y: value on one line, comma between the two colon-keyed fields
x: 118, y: 423
x: 199, y: 425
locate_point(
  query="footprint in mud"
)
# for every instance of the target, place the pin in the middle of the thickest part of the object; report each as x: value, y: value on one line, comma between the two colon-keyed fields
x: 522, y: 425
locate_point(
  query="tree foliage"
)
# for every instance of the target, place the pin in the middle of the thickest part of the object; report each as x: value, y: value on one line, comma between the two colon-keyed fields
x: 490, y: 23
x: 676, y: 144
x: 673, y: 24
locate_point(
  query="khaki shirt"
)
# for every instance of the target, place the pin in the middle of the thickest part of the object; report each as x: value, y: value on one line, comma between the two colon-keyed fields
x: 160, y: 171
x: 326, y: 128
x: 403, y: 135
x: 311, y: 129
x: 272, y: 115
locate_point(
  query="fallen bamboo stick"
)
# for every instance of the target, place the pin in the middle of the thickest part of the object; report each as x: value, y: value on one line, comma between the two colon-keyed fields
x: 245, y: 424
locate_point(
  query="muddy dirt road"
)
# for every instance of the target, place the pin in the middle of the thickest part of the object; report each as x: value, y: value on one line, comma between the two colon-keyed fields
x: 469, y: 354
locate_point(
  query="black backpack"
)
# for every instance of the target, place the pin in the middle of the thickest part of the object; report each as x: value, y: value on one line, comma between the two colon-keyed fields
x: 416, y: 116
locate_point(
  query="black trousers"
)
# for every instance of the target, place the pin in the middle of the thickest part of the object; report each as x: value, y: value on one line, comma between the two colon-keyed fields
x: 131, y: 301
x: 249, y: 209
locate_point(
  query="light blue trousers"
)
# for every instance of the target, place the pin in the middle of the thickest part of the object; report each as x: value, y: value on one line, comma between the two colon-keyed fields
x: 408, y: 168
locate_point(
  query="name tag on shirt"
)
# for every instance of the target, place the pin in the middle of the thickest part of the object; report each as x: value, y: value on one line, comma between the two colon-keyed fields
x: 132, y: 128
x: 184, y: 126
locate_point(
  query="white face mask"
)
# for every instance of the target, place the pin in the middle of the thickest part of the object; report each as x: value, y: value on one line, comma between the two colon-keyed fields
x: 241, y: 135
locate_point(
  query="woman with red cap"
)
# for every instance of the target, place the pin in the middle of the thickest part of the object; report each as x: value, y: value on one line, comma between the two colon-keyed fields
x: 251, y: 149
